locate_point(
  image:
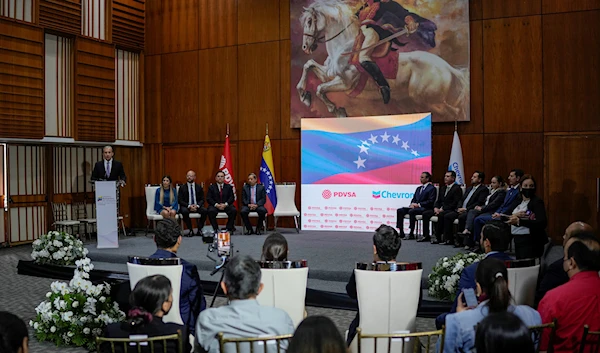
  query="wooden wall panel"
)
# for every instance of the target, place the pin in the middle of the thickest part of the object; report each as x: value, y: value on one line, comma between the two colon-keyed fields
x: 259, y: 90
x: 128, y: 23
x: 572, y: 71
x: 258, y: 21
x: 475, y: 10
x: 133, y: 197
x: 61, y: 15
x: 153, y: 160
x: 510, y: 8
x: 554, y: 6
x: 179, y: 94
x: 95, y: 91
x: 284, y: 57
x: 512, y: 84
x: 504, y: 152
x: 252, y: 156
x: 218, y: 23
x: 572, y: 190
x: 171, y: 26
x: 476, y: 73
x: 284, y: 19
x: 218, y: 94
x: 152, y: 89
x: 472, y: 155
x: 21, y: 80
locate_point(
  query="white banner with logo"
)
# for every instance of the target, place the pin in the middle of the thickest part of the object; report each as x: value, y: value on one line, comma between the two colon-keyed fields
x: 106, y: 214
x: 356, y: 208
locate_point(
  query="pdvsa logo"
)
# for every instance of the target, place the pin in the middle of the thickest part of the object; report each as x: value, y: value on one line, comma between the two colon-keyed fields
x: 385, y: 194
x: 326, y: 194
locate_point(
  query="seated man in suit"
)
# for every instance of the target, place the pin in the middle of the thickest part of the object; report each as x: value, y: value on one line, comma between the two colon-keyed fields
x: 422, y: 200
x: 386, y: 245
x: 450, y: 195
x: 244, y: 316
x: 220, y: 197
x: 474, y: 196
x: 495, y: 238
x: 254, y: 198
x: 108, y: 168
x: 552, y: 273
x: 191, y: 297
x: 514, y: 181
x: 191, y: 200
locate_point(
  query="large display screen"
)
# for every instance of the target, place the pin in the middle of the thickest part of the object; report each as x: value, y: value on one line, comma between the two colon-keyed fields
x: 357, y: 171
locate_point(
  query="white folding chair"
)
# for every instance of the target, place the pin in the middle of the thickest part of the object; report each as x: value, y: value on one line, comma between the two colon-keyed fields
x: 522, y: 280
x: 286, y: 206
x: 285, y: 289
x: 151, y: 214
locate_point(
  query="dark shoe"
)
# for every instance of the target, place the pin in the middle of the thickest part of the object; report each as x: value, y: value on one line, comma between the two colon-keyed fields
x: 258, y: 231
x: 448, y: 242
x: 248, y: 232
x: 434, y: 241
x: 423, y: 239
x: 457, y: 245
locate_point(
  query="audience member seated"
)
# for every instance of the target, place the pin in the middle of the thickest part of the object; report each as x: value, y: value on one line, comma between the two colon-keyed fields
x: 386, y: 245
x: 448, y: 199
x: 150, y: 300
x: 494, y: 242
x: 317, y: 334
x: 243, y: 317
x: 474, y: 196
x: 191, y: 200
x: 165, y: 202
x: 191, y: 298
x: 514, y: 178
x: 501, y: 333
x: 492, y: 202
x: 220, y: 198
x: 423, y: 200
x: 275, y: 248
x: 528, y: 221
x: 553, y: 275
x: 575, y: 303
x: 254, y: 198
x: 14, y: 337
x: 491, y: 278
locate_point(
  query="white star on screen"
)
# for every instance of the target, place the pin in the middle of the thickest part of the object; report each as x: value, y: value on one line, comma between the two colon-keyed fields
x: 364, y: 149
x: 373, y: 139
x: 396, y: 139
x: 405, y: 145
x: 414, y: 152
x: 365, y: 142
x: 360, y: 163
x: 385, y: 137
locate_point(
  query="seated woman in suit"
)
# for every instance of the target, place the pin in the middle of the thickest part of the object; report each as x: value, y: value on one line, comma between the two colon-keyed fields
x: 493, y: 201
x: 492, y: 282
x: 528, y: 221
x: 275, y: 248
x: 150, y: 300
x: 165, y: 202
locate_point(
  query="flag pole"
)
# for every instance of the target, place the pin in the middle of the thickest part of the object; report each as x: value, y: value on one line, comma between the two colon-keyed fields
x: 227, y: 129
x: 455, y: 125
x: 267, y: 128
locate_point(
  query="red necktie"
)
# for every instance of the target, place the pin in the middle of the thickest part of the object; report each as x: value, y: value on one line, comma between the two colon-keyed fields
x: 221, y: 192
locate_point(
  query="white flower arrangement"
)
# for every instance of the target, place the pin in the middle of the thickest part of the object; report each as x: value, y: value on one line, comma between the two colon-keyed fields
x: 443, y: 279
x: 77, y: 312
x: 58, y: 248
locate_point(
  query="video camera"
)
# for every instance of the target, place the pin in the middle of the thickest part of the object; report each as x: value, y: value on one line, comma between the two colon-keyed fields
x: 219, y: 242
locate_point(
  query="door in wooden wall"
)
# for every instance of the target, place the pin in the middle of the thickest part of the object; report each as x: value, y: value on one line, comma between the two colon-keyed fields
x: 573, y: 167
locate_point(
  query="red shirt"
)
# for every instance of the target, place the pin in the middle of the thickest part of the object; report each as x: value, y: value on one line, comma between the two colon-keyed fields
x: 574, y: 304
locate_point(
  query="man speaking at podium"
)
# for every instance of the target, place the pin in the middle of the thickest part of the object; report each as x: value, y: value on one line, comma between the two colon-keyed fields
x: 108, y: 168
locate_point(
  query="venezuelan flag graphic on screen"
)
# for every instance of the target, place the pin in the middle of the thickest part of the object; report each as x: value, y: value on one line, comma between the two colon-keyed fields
x: 393, y: 149
x: 267, y: 176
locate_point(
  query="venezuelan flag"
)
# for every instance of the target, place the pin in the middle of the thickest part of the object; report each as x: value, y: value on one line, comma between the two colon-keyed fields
x: 267, y: 176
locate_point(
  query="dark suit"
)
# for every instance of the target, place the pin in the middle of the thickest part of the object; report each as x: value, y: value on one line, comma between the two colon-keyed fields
x: 213, y: 196
x: 156, y: 327
x: 477, y: 199
x: 260, y: 200
x: 424, y: 196
x: 448, y: 203
x: 116, y: 171
x: 552, y: 277
x: 493, y: 203
x: 191, y: 295
x: 184, y: 203
x: 505, y: 208
x: 467, y: 280
x: 531, y: 245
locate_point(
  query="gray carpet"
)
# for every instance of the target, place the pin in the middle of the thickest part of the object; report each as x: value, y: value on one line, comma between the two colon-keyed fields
x: 331, y: 255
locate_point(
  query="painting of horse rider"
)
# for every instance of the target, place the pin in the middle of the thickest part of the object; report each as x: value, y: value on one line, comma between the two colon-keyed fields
x: 378, y: 57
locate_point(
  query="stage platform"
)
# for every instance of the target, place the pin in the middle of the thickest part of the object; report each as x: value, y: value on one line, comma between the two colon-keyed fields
x: 331, y: 256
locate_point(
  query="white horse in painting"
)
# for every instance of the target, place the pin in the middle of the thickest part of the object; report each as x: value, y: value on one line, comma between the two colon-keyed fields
x: 428, y: 80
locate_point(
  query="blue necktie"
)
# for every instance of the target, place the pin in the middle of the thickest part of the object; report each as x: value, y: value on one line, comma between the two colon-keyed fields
x: 193, y: 196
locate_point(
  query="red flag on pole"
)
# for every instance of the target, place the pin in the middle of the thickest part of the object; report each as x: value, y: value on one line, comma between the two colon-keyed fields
x: 226, y: 166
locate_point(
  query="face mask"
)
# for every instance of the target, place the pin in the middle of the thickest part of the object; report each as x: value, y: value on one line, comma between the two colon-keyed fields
x: 528, y: 193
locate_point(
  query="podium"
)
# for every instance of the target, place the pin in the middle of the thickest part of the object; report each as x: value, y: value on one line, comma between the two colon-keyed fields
x: 106, y: 214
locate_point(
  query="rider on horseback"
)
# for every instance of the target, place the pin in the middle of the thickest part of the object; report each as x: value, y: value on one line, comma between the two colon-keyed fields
x: 380, y: 19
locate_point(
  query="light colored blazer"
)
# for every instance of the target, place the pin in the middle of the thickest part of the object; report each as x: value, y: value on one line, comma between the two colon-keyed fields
x: 460, y: 332
x: 241, y: 318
